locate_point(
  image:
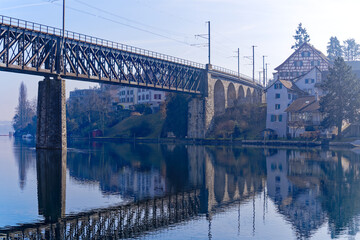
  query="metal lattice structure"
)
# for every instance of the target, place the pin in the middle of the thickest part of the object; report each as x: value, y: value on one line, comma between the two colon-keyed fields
x: 115, y: 223
x: 32, y: 48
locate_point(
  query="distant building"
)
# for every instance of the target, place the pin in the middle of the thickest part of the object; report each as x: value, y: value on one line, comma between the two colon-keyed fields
x: 131, y: 96
x: 124, y: 96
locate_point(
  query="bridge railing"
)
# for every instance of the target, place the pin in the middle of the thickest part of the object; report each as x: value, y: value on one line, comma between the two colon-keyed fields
x: 234, y: 73
x: 94, y: 40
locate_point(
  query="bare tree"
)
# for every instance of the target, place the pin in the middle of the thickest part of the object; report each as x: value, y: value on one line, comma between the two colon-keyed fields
x: 24, y: 111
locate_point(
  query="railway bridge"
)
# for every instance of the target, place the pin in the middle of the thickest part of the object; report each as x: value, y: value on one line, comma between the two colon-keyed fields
x: 31, y: 48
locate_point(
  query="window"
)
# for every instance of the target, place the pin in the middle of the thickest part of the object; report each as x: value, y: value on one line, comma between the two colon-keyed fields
x: 298, y: 63
x: 131, y: 99
x: 312, y: 80
x: 273, y: 118
x: 277, y: 106
x: 294, y: 74
x: 277, y: 179
x: 315, y: 63
x: 289, y: 96
x: 160, y: 96
x: 305, y: 54
x: 143, y: 97
x: 139, y: 98
x: 278, y: 86
x: 277, y: 95
x: 132, y: 92
x: 280, y: 118
x: 147, y: 96
x: 306, y: 81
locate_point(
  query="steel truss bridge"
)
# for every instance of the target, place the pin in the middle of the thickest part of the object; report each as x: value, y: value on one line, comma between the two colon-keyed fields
x: 31, y: 48
x: 119, y: 222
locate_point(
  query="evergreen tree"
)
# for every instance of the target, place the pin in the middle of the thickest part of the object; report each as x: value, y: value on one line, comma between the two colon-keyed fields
x: 300, y: 37
x: 342, y: 99
x: 351, y: 50
x: 334, y: 49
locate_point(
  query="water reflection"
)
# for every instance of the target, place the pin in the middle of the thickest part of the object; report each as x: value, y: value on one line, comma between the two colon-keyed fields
x: 51, y: 183
x: 162, y: 185
x: 312, y: 187
x: 25, y: 157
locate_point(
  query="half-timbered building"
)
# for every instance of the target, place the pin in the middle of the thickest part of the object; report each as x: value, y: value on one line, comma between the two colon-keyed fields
x: 304, y: 59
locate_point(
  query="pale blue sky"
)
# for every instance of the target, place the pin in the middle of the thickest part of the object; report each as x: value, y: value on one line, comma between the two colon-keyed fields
x: 268, y: 24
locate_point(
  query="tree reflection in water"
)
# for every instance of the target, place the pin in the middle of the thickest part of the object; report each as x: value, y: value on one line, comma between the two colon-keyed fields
x: 308, y: 187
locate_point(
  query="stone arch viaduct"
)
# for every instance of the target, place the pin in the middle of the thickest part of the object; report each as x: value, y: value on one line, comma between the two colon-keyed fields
x: 221, y: 91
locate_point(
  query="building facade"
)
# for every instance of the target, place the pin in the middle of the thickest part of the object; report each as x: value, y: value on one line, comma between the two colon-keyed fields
x: 299, y: 76
x: 131, y: 96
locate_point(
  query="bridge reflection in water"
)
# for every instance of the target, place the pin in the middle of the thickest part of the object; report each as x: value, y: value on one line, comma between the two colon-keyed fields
x: 164, y: 185
x: 193, y: 187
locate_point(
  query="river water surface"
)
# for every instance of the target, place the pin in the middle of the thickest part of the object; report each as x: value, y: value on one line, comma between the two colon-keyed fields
x: 158, y: 191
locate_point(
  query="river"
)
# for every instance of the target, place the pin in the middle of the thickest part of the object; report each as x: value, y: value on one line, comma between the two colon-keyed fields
x: 156, y: 191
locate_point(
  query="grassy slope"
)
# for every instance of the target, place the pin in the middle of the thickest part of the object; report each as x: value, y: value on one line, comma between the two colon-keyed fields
x: 122, y: 129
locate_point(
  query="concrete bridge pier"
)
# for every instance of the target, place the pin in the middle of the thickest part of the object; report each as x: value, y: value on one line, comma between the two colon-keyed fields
x: 51, y: 112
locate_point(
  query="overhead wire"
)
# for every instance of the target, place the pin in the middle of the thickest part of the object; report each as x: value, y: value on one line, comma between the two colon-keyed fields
x: 127, y: 19
x: 218, y: 47
x: 124, y: 24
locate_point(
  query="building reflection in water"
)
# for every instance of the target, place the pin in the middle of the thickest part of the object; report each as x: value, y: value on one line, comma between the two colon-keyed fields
x: 308, y: 188
x: 312, y: 187
x: 182, y: 181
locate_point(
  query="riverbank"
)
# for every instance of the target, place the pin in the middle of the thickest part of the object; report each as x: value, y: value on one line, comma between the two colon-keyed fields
x: 226, y: 142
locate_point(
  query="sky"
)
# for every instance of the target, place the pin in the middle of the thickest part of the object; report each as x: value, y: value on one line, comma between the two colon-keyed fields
x: 170, y: 26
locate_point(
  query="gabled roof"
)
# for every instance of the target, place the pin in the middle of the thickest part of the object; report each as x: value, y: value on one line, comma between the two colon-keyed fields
x: 318, y: 52
x: 289, y: 84
x: 298, y: 78
x: 304, y: 104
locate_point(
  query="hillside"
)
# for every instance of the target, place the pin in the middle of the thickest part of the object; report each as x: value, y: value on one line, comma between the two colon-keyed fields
x: 149, y: 126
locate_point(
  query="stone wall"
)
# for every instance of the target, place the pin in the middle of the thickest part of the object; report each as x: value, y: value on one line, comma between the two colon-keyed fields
x: 203, y: 110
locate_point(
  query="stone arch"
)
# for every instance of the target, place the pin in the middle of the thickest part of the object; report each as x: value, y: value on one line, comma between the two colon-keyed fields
x: 248, y: 96
x: 241, y: 95
x: 231, y: 96
x: 219, y: 184
x: 219, y: 98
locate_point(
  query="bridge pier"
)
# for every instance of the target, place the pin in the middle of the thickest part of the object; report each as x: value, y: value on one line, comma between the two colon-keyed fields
x: 196, y: 118
x: 51, y: 112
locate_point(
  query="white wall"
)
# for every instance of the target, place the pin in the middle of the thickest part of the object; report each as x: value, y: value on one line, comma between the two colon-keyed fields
x: 279, y: 127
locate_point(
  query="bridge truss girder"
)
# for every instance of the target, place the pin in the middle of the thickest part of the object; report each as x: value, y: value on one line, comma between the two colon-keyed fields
x: 40, y: 53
